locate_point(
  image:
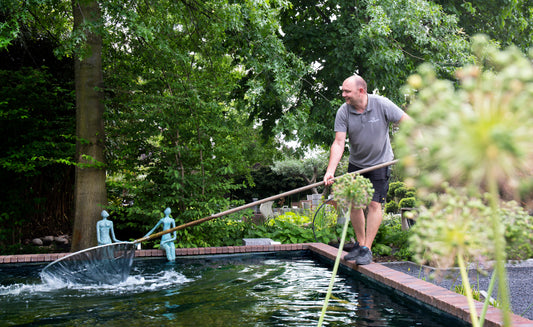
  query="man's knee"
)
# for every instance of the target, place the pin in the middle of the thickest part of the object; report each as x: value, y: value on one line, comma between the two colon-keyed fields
x: 374, y: 206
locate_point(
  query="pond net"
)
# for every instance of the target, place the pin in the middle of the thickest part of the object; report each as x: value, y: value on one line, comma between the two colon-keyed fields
x: 104, y: 264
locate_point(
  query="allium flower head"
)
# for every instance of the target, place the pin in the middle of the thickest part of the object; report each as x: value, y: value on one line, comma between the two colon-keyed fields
x: 478, y: 131
x: 454, y: 224
x: 351, y: 189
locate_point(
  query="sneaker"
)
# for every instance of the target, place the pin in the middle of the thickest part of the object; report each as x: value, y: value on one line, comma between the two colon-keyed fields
x: 364, y: 257
x: 354, y: 252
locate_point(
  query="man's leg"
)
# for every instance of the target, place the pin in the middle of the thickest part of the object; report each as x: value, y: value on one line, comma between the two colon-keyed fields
x: 380, y: 182
x: 357, y: 217
x: 367, y: 229
x: 373, y: 221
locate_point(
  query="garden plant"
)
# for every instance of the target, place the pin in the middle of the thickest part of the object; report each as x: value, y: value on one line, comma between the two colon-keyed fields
x: 470, y: 143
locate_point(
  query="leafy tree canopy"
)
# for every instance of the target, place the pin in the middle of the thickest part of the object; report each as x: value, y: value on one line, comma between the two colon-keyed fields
x: 181, y: 79
x: 383, y: 41
x: 507, y: 22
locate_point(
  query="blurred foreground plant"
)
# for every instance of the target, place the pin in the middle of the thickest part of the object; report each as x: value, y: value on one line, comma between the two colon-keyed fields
x: 351, y: 192
x: 476, y: 137
x: 453, y: 225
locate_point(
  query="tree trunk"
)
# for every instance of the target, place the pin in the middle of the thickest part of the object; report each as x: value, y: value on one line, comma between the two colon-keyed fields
x: 90, y: 192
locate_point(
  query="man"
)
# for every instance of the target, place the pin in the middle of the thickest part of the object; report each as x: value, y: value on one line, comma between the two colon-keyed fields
x: 365, y: 118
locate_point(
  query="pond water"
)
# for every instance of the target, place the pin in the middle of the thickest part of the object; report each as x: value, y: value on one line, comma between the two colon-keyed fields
x: 266, y: 289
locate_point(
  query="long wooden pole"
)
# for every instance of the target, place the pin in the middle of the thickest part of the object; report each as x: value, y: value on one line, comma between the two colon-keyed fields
x: 251, y: 204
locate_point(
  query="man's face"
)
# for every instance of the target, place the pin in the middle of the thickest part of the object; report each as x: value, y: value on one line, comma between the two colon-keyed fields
x: 352, y: 94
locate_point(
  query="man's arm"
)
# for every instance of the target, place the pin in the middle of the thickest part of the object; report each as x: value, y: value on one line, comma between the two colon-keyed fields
x: 337, y: 149
x: 404, y: 118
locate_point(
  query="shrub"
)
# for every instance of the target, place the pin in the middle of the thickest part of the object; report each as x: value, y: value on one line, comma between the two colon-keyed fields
x: 518, y: 235
x: 398, y: 192
x: 391, y: 236
x: 410, y: 194
x: 392, y: 207
x: 408, y: 202
x: 292, y: 218
x: 392, y: 189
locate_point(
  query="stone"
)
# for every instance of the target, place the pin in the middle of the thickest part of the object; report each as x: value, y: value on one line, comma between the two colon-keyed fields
x: 37, y: 241
x: 258, y: 241
x: 47, y: 240
x: 61, y: 240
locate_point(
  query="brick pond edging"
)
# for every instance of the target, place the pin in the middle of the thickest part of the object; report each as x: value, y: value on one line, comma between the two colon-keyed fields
x: 445, y: 300
x: 423, y: 291
x: 49, y: 257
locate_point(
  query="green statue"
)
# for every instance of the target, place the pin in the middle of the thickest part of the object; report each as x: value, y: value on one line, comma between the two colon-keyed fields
x: 167, y: 240
x: 104, y: 229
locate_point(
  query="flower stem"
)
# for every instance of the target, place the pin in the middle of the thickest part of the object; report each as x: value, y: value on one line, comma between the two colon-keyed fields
x: 499, y: 244
x: 487, y: 300
x: 336, y: 265
x: 468, y: 290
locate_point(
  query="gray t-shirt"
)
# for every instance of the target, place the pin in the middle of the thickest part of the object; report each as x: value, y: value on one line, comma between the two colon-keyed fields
x: 368, y: 132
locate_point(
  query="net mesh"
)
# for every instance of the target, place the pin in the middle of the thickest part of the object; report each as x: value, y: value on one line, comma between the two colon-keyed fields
x: 104, y: 264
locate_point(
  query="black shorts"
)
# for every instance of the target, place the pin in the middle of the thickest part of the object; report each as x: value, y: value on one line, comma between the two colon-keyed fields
x: 380, y: 180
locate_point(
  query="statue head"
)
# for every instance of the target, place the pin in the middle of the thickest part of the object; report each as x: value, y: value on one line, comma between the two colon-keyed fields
x: 104, y: 214
x: 167, y: 212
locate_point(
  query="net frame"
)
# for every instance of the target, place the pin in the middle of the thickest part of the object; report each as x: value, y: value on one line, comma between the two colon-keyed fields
x: 104, y: 264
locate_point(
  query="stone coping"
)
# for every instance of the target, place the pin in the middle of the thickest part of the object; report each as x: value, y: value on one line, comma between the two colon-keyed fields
x: 443, y: 299
x: 49, y: 257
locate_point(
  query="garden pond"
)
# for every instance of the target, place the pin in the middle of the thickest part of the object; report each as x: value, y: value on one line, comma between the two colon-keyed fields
x: 260, y: 289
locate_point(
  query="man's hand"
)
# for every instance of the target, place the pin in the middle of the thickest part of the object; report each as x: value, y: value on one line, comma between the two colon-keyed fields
x: 328, y: 178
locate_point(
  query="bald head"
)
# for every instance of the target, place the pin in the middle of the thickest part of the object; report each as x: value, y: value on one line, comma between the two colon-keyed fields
x: 356, y: 81
x: 354, y: 92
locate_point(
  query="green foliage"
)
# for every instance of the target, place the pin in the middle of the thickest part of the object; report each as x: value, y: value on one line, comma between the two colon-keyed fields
x: 288, y: 233
x: 263, y: 182
x: 291, y: 218
x: 324, y: 217
x: 37, y: 119
x: 460, y: 289
x: 392, y: 189
x: 518, y: 231
x: 507, y: 22
x: 392, y: 207
x: 410, y: 194
x: 381, y: 249
x: 400, y: 192
x: 392, y: 240
x: 223, y: 231
x: 218, y: 232
x: 296, y: 228
x: 400, y: 196
x: 384, y: 41
x: 288, y: 228
x: 408, y: 202
x: 309, y: 168
x: 178, y: 115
